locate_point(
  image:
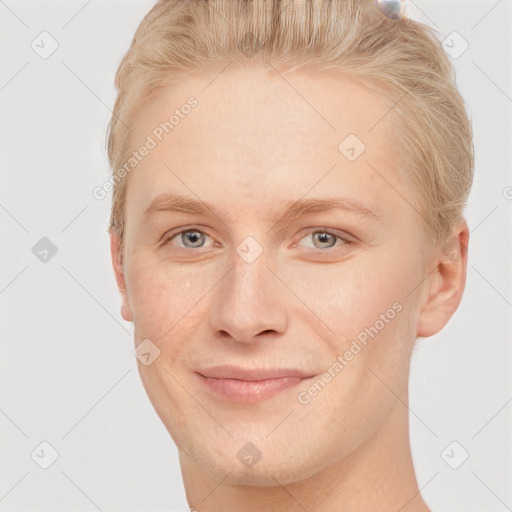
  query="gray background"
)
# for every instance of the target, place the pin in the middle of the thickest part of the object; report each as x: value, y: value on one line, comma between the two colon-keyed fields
x: 68, y: 374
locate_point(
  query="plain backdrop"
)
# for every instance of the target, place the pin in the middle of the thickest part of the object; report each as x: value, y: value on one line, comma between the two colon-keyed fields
x: 67, y: 369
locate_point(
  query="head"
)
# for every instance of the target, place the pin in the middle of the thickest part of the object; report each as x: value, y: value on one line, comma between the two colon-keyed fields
x: 224, y: 248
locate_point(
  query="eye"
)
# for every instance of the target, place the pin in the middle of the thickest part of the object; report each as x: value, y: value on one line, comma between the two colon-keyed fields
x: 323, y: 239
x: 189, y: 238
x: 193, y: 238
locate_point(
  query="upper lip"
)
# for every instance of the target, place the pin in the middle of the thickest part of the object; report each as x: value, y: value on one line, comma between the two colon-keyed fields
x: 234, y: 372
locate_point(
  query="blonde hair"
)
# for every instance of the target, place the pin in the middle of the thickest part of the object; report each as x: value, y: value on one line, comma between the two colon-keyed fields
x: 402, y: 60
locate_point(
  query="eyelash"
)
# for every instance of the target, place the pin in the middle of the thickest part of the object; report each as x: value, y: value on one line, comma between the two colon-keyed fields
x: 323, y: 231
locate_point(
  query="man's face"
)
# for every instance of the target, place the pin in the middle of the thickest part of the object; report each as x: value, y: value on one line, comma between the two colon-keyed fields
x: 250, y: 287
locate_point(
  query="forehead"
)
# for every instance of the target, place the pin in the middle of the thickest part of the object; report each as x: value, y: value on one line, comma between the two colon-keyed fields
x: 256, y: 135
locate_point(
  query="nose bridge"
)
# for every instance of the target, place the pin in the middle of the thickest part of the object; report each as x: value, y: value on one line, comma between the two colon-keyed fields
x: 245, y: 302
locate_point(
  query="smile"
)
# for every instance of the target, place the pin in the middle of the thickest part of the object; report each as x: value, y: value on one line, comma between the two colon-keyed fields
x: 248, y: 391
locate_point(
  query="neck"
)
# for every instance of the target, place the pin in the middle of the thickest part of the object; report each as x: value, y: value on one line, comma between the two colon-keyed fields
x: 377, y: 475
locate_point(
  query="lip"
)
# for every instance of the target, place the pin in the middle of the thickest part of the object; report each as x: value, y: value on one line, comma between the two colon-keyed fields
x: 248, y: 391
x: 241, y: 385
x: 252, y: 374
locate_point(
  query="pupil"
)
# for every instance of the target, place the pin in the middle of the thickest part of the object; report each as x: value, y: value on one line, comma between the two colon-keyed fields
x: 323, y: 237
x: 193, y: 236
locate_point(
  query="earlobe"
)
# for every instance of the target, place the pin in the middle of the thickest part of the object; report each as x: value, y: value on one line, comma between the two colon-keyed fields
x: 117, y: 264
x: 445, y: 284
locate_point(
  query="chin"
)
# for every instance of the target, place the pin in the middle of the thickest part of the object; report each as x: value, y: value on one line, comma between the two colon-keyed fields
x: 236, y: 463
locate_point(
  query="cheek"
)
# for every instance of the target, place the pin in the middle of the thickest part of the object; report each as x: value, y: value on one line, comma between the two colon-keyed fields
x: 352, y: 295
x: 366, y: 305
x: 170, y: 302
x: 160, y: 299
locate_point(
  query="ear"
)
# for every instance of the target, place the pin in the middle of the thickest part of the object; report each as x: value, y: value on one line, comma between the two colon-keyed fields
x: 445, y: 284
x: 117, y: 264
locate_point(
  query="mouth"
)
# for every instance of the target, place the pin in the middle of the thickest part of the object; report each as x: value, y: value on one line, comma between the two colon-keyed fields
x: 248, y: 391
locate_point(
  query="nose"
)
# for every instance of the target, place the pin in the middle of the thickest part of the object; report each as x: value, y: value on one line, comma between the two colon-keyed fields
x: 248, y: 304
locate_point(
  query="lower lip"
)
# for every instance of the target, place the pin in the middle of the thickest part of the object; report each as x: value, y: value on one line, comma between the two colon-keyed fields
x: 242, y: 391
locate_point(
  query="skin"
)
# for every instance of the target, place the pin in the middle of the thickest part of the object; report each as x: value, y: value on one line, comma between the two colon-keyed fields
x: 252, y: 144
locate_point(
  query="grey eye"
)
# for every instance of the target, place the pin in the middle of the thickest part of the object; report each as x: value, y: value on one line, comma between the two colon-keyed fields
x: 324, y: 239
x: 194, y: 237
x: 321, y: 240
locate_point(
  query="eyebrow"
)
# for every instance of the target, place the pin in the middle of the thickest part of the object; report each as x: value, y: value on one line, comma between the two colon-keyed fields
x: 171, y: 202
